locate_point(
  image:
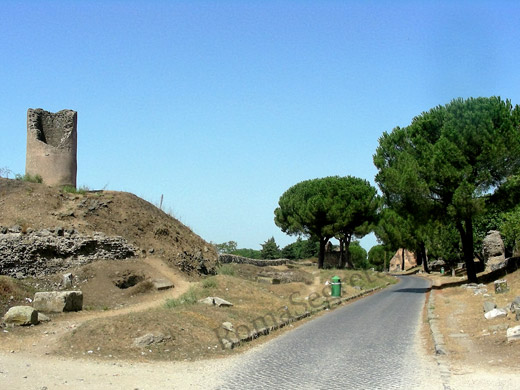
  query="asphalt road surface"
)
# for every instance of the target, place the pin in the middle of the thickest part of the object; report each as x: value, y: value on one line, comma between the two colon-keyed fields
x: 369, y: 344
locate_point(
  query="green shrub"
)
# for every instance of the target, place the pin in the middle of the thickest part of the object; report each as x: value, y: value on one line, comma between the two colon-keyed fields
x: 226, y: 269
x: 190, y: 297
x: 73, y: 190
x: 30, y: 178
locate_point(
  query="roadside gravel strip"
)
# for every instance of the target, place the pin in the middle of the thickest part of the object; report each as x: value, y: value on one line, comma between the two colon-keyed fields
x: 438, y: 341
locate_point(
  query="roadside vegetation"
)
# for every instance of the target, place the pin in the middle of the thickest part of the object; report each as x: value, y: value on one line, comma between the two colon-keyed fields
x: 29, y: 178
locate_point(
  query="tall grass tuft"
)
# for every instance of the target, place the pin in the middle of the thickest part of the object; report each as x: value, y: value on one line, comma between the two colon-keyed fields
x: 226, y: 269
x: 29, y: 178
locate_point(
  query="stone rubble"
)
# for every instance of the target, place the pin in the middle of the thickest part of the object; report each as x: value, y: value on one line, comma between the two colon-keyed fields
x: 215, y: 301
x: 513, y: 333
x: 495, y: 313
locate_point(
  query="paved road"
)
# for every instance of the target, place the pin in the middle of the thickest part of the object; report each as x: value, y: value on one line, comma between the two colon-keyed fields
x: 369, y: 344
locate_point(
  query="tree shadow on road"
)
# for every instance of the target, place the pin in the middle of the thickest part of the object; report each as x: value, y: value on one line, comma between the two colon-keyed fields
x: 422, y: 290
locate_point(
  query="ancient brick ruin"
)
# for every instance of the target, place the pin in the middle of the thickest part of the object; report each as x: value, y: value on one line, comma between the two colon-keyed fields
x: 52, y: 146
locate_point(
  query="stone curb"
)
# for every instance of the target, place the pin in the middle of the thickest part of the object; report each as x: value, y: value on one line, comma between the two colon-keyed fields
x: 438, y: 341
x: 231, y: 344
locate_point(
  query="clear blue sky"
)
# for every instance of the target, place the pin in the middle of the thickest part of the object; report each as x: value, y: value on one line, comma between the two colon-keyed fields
x: 222, y: 106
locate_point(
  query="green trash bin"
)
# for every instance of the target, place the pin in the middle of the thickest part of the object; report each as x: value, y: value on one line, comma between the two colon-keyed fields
x: 335, y: 286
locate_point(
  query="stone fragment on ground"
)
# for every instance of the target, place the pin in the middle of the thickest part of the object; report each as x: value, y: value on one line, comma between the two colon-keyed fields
x: 21, y: 315
x: 515, y: 305
x: 215, y: 301
x: 488, y: 306
x: 228, y: 326
x: 67, y: 280
x: 162, y: 284
x: 495, y: 313
x: 267, y: 280
x: 58, y: 301
x: 501, y: 286
x: 513, y: 333
x: 43, y: 318
x: 493, y: 250
x: 149, y: 339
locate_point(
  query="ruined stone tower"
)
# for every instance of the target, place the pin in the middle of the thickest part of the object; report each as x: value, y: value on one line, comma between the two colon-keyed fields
x: 52, y: 146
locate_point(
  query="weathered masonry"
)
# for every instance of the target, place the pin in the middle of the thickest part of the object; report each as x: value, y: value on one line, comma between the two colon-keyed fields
x: 52, y: 146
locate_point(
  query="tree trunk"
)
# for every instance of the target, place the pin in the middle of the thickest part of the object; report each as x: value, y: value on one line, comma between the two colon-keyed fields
x: 321, y: 255
x: 419, y: 255
x: 384, y: 263
x: 466, y: 236
x: 347, y: 246
x: 402, y: 262
x: 341, y: 262
x: 425, y: 258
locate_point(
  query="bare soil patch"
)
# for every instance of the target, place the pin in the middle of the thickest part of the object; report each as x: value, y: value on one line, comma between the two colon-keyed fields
x: 472, y: 341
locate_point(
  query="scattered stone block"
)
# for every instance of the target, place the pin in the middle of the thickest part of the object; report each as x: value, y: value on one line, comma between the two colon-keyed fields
x: 162, y: 284
x: 495, y: 313
x: 21, y: 315
x: 488, y: 306
x: 149, y: 339
x: 228, y: 326
x: 493, y: 250
x: 501, y: 286
x: 267, y: 280
x: 43, y: 318
x: 513, y: 333
x: 216, y: 301
x: 515, y: 305
x: 58, y: 301
x: 67, y: 280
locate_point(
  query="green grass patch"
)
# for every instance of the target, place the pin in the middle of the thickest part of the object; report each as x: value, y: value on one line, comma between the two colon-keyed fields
x: 226, y: 269
x: 29, y: 178
x: 190, y: 297
x: 73, y: 190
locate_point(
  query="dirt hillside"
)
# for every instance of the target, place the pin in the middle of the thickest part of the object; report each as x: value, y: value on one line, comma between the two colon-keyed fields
x: 34, y: 206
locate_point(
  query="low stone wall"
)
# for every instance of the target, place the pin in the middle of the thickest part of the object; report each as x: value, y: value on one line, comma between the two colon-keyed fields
x: 226, y: 259
x: 47, y: 251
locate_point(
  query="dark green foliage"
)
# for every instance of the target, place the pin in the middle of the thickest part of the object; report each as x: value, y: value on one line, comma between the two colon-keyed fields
x: 270, y: 250
x: 246, y: 252
x: 301, y: 249
x: 510, y: 229
x: 379, y: 257
x: 30, y: 178
x: 325, y: 208
x: 358, y: 255
x: 226, y: 247
x: 444, y: 164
